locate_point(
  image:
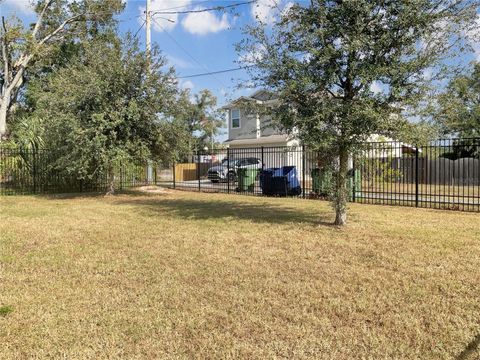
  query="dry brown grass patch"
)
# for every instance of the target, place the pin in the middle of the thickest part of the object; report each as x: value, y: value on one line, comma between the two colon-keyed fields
x: 188, y: 275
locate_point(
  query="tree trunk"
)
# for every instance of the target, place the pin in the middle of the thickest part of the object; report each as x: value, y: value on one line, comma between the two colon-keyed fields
x: 14, y: 74
x: 3, y: 117
x: 8, y: 95
x: 341, y: 191
x: 111, y: 182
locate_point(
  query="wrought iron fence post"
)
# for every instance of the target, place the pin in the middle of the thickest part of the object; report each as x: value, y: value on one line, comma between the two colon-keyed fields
x: 34, y: 169
x: 174, y: 174
x: 228, y: 170
x: 354, y: 180
x: 416, y: 175
x: 198, y: 170
x: 121, y: 176
x: 263, y: 165
x: 155, y: 174
x: 304, y: 165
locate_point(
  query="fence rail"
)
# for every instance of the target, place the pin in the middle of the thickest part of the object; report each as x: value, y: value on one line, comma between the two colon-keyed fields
x: 27, y: 171
x: 444, y: 174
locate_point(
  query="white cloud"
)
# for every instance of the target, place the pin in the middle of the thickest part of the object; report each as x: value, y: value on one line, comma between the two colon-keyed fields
x: 178, y: 62
x: 286, y: 8
x: 337, y: 43
x: 204, y: 23
x: 306, y: 58
x: 264, y: 11
x: 186, y: 84
x: 24, y: 6
x: 194, y: 23
x: 256, y: 54
x: 164, y: 22
x: 376, y: 87
x: 268, y: 11
x: 427, y: 74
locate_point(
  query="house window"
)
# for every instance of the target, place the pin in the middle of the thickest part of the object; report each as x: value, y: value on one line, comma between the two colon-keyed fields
x: 235, y: 116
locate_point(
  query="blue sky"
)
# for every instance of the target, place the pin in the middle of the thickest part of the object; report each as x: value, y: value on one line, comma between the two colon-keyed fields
x: 193, y: 43
x: 197, y: 43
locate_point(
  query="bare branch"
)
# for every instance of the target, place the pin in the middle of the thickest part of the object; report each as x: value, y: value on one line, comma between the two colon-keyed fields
x: 6, y: 75
x: 18, y: 79
x: 60, y: 28
x: 14, y: 93
x: 40, y: 19
x: 25, y: 58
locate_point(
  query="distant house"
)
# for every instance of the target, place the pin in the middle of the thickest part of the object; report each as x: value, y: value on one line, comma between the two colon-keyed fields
x: 384, y: 147
x: 248, y: 128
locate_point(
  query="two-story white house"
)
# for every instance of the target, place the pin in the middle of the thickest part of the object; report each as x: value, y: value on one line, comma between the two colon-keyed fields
x: 250, y: 128
x: 247, y: 128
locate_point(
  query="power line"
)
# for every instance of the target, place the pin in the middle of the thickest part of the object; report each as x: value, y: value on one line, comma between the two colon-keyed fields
x: 140, y: 28
x: 187, y: 52
x: 183, y: 6
x: 215, y: 72
x: 128, y: 19
x: 216, y: 8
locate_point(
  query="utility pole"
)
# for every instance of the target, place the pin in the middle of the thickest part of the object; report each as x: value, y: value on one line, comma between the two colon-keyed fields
x: 148, y: 24
x: 148, y: 46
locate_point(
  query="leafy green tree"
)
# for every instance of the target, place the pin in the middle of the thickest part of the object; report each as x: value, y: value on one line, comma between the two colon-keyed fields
x: 418, y: 133
x: 26, y: 52
x: 344, y: 70
x: 105, y: 108
x: 200, y: 119
x: 459, y: 105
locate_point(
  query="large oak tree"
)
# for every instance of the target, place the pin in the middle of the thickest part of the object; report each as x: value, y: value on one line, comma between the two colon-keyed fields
x: 104, y: 109
x: 59, y: 23
x: 345, y: 69
x: 459, y: 105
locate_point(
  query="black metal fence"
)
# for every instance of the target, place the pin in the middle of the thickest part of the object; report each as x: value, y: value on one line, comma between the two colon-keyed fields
x: 27, y: 171
x: 444, y: 174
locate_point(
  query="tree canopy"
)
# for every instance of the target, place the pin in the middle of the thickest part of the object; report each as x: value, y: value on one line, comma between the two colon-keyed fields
x: 344, y: 70
x: 94, y: 100
x: 57, y: 34
x: 105, y: 107
x: 459, y: 105
x: 200, y: 118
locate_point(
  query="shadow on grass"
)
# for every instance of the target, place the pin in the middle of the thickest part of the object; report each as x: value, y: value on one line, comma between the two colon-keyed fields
x: 68, y: 196
x: 96, y: 194
x: 210, y: 209
x: 215, y: 209
x: 470, y: 349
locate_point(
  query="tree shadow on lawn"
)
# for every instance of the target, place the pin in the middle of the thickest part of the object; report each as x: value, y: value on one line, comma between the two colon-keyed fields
x: 214, y: 208
x: 73, y: 195
x: 219, y: 209
x: 470, y: 348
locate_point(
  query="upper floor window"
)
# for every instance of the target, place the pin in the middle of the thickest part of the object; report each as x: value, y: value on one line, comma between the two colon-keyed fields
x: 235, y: 117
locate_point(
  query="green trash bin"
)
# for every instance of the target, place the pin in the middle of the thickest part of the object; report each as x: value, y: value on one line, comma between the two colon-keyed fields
x: 354, y: 184
x: 321, y: 181
x: 246, y: 179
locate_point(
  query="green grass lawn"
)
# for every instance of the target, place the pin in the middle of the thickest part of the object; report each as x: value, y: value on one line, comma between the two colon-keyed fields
x: 188, y: 275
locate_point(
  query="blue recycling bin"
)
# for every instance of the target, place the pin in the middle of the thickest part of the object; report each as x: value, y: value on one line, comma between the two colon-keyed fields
x: 280, y: 181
